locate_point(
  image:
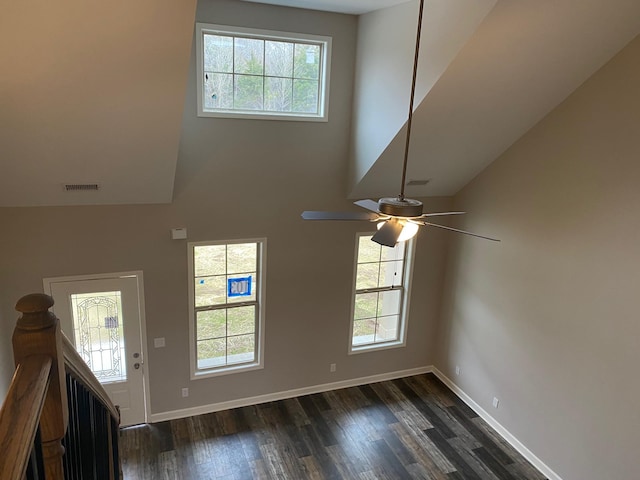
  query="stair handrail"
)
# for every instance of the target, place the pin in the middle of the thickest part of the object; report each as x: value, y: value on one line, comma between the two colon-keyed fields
x: 20, y: 415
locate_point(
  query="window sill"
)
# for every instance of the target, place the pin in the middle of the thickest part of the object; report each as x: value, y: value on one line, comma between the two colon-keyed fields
x: 229, y: 370
x: 375, y: 347
x: 287, y: 117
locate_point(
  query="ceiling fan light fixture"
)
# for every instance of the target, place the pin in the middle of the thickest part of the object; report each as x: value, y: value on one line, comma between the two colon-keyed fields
x: 400, y: 207
x: 409, y: 229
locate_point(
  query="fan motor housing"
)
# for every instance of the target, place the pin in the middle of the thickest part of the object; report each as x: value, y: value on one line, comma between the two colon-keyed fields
x: 400, y: 207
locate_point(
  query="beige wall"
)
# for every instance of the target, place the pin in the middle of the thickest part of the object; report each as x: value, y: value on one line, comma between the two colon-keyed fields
x: 547, y: 320
x: 6, y: 358
x: 239, y: 179
x: 384, y: 65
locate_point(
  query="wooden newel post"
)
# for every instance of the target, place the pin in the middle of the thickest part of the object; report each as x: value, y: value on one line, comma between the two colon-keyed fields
x: 38, y: 333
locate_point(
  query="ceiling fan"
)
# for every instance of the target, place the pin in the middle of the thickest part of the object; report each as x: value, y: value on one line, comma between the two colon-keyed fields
x: 398, y: 218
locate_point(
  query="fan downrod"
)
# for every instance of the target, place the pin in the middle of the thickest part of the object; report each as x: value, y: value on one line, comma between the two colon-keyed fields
x: 400, y: 207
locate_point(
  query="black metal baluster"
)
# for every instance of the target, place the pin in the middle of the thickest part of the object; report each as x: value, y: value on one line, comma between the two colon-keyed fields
x: 72, y: 439
x: 102, y: 438
x: 115, y: 439
x: 35, y: 468
x: 88, y: 439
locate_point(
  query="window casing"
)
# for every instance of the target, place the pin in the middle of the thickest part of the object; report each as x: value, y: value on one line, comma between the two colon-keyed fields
x: 245, y: 72
x: 382, y: 278
x: 226, y: 291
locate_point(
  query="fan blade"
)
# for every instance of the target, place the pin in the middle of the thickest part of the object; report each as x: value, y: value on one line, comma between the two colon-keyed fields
x: 368, y: 204
x: 459, y: 231
x: 388, y: 233
x: 315, y: 215
x: 439, y: 214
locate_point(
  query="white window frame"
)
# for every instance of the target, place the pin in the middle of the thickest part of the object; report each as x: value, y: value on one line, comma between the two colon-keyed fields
x: 325, y: 68
x: 260, y: 306
x: 405, y: 288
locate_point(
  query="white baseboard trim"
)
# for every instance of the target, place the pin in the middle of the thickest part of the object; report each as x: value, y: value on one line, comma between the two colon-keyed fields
x: 271, y: 397
x: 515, y: 443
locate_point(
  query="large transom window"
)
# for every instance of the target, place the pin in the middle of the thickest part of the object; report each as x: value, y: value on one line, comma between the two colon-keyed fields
x: 226, y: 285
x: 382, y: 277
x: 245, y: 72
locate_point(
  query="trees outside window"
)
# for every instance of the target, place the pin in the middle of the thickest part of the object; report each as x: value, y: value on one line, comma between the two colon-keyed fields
x: 246, y: 72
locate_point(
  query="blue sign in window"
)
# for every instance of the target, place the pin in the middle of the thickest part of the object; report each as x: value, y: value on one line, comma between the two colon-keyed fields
x: 239, y: 287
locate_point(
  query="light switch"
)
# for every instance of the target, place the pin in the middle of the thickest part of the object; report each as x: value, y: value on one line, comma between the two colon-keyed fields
x: 158, y: 342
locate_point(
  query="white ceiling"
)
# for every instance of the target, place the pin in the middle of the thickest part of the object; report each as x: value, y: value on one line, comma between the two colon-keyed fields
x: 80, y: 104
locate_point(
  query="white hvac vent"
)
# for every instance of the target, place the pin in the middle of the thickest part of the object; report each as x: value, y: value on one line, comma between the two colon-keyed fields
x: 417, y: 183
x: 81, y: 187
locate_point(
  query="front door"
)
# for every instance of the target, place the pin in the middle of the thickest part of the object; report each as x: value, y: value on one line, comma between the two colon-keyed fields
x: 101, y: 316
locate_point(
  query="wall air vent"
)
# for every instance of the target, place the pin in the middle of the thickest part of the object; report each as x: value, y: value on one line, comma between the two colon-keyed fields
x: 417, y: 183
x: 81, y: 187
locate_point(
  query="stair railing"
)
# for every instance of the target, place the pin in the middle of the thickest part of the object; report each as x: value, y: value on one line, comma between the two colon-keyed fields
x: 57, y: 422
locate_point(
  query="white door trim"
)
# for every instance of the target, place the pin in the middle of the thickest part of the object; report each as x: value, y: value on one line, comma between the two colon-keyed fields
x: 138, y: 274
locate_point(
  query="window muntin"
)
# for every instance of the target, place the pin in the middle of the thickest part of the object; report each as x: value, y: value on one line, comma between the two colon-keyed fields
x: 381, y: 282
x: 225, y: 288
x: 271, y: 75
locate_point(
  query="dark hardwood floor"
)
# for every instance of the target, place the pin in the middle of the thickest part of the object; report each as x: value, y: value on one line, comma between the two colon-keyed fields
x: 410, y: 428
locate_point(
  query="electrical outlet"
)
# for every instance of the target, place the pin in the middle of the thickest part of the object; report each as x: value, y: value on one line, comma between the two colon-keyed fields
x: 458, y: 370
x: 496, y: 402
x: 185, y: 392
x: 332, y: 367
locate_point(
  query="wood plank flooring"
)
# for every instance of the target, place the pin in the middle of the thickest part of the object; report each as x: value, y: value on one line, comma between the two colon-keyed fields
x: 411, y: 428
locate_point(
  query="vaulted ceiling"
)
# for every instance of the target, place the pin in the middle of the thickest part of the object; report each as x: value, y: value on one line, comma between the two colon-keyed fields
x: 94, y: 93
x: 523, y: 60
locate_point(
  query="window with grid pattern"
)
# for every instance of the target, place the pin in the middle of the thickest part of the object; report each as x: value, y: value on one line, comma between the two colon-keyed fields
x: 380, y: 294
x: 247, y: 72
x: 226, y: 284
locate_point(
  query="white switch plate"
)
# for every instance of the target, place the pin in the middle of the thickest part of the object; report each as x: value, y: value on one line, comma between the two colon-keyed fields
x: 158, y: 342
x: 332, y: 367
x: 185, y: 392
x: 496, y: 402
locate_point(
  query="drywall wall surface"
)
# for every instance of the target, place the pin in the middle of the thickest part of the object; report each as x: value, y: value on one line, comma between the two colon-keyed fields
x: 547, y: 320
x: 6, y: 353
x: 522, y: 61
x: 308, y: 286
x: 384, y: 67
x: 98, y: 90
x: 382, y: 83
x: 239, y: 179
